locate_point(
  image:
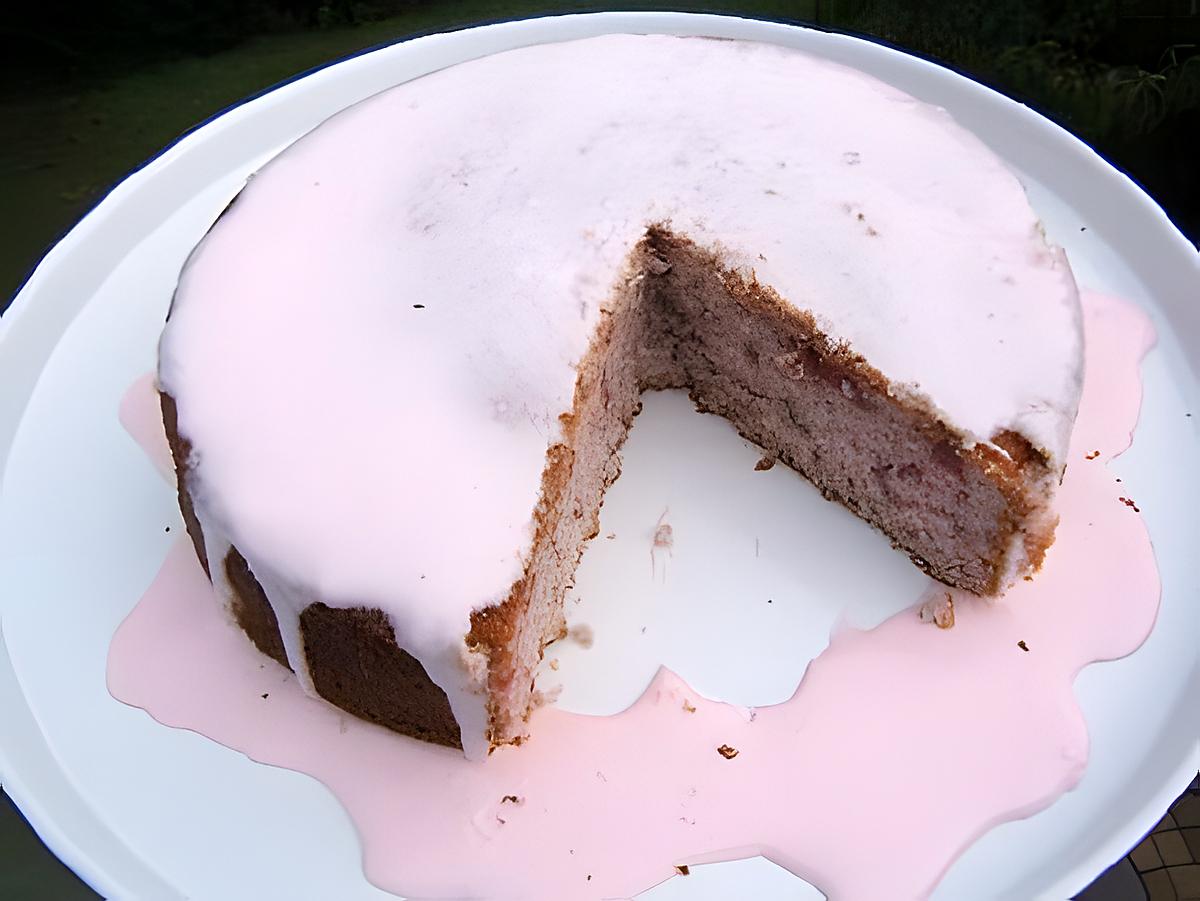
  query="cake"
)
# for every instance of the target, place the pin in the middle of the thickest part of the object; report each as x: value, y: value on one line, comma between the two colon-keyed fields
x: 398, y: 370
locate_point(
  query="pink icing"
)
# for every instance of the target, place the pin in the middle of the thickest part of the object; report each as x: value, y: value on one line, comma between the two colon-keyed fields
x: 607, y: 806
x: 141, y: 418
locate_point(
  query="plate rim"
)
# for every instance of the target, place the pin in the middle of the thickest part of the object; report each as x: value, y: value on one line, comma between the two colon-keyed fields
x: 29, y: 785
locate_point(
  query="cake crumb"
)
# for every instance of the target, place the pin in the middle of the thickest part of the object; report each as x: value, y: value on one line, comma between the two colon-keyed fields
x: 1128, y: 502
x: 582, y: 635
x: 658, y: 265
x: 727, y: 752
x: 943, y: 618
x: 1030, y: 578
x: 939, y: 611
x: 682, y: 869
x: 791, y: 364
x: 554, y: 664
x: 1092, y: 456
x: 764, y: 464
x: 664, y: 538
x: 541, y: 698
x: 687, y: 705
x: 1024, y: 647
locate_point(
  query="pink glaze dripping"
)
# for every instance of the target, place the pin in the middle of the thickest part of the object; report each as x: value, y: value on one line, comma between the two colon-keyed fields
x: 906, y: 712
x: 142, y: 419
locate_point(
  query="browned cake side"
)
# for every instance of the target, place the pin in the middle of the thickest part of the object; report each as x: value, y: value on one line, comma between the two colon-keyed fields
x: 681, y: 320
x: 353, y: 657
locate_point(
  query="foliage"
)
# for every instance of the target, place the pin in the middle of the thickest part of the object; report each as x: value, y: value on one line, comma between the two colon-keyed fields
x: 1130, y: 87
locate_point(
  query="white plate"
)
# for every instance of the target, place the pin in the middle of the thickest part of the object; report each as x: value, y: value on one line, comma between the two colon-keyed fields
x: 140, y: 810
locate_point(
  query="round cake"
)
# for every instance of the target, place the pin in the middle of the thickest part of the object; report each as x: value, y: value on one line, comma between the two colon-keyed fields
x: 398, y: 370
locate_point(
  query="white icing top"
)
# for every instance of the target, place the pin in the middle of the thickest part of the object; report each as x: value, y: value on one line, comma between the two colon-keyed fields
x: 371, y: 349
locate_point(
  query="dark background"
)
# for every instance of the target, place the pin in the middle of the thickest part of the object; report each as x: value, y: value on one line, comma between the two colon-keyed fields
x: 89, y: 92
